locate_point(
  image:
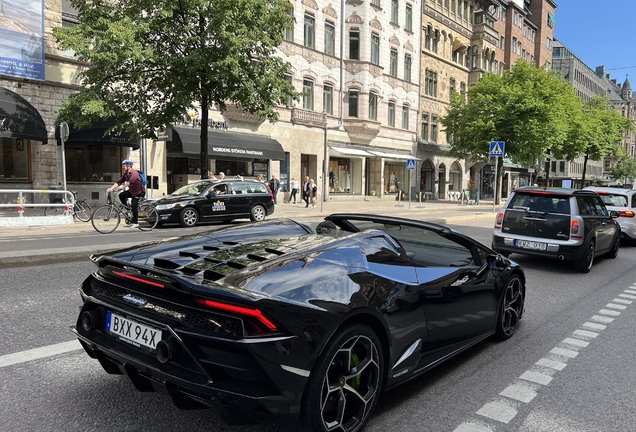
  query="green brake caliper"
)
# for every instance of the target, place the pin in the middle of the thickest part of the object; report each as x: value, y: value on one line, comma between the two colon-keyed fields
x: 355, y: 361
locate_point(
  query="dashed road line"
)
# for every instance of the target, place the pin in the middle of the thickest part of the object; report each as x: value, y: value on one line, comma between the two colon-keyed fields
x: 39, y: 353
x: 524, y: 390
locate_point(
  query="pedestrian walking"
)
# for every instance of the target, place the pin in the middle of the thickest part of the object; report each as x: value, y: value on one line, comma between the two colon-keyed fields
x: 313, y: 192
x: 293, y: 184
x: 306, y: 191
x: 274, y: 185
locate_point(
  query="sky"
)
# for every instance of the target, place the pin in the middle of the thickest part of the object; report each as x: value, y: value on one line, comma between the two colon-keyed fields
x: 599, y: 32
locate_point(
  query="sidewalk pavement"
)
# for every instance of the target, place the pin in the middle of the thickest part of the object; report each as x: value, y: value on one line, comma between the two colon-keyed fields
x: 442, y: 212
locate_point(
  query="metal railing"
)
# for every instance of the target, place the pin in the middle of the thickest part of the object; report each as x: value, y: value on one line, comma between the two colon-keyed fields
x: 21, y: 201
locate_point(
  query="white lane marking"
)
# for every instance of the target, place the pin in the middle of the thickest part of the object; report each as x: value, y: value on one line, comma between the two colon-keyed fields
x: 602, y: 319
x: 595, y: 326
x: 609, y: 312
x: 633, y: 297
x: 39, y: 353
x: 552, y: 364
x: 471, y: 427
x: 564, y: 352
x: 622, y: 301
x: 585, y: 333
x: 577, y: 342
x: 630, y: 292
x: 519, y: 393
x: 615, y: 306
x: 536, y: 377
x: 497, y: 411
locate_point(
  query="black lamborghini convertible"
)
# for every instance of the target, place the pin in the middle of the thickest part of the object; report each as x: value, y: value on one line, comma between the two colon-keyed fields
x: 287, y: 321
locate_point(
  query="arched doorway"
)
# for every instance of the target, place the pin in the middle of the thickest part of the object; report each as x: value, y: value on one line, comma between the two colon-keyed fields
x: 441, y: 179
x: 455, y: 178
x: 427, y: 179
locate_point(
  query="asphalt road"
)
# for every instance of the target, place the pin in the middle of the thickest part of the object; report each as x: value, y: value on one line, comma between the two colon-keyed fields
x: 593, y: 391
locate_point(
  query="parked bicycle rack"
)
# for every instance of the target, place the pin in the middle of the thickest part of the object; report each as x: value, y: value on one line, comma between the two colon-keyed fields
x: 21, y: 202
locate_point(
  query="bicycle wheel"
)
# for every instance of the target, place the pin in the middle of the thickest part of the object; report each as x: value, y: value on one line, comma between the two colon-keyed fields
x: 105, y: 219
x: 148, y: 217
x: 82, y: 211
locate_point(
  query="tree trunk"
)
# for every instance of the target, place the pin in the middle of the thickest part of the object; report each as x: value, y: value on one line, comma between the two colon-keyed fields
x: 547, y: 171
x: 499, y: 180
x: 584, y: 170
x: 204, y: 136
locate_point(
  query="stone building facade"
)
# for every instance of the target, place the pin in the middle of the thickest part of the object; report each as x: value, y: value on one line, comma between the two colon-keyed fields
x: 463, y: 40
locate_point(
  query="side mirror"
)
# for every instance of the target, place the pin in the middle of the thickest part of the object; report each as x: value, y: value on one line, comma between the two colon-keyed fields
x: 210, y: 195
x: 497, y: 262
x: 614, y: 214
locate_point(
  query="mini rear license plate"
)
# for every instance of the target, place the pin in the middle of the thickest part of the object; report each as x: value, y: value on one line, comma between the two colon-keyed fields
x: 132, y: 332
x: 531, y: 245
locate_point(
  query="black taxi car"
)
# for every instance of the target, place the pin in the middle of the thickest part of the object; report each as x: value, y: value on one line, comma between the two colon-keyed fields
x: 216, y: 200
x: 566, y: 224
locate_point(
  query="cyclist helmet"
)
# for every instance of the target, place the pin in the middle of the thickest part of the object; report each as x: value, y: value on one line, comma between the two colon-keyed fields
x: 127, y: 162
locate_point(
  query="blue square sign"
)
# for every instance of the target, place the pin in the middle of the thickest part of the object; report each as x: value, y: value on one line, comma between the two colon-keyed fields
x: 497, y: 148
x: 410, y: 164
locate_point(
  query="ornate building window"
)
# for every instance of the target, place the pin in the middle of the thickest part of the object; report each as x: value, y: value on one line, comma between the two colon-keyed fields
x: 408, y: 18
x: 327, y: 98
x: 353, y: 102
x: 288, y: 33
x: 354, y: 44
x: 407, y: 67
x: 391, y: 114
x: 405, y: 116
x: 394, y: 11
x: 310, y: 31
x: 434, y: 129
x: 308, y: 94
x: 393, y: 66
x: 330, y: 38
x: 427, y: 37
x: 375, y: 49
x: 452, y: 89
x: 373, y: 106
x: 424, y: 131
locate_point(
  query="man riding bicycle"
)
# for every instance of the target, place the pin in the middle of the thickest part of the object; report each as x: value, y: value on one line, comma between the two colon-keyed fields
x: 136, y: 190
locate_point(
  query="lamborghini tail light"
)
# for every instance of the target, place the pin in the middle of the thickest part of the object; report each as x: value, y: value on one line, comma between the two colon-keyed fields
x: 138, y: 279
x: 259, y: 323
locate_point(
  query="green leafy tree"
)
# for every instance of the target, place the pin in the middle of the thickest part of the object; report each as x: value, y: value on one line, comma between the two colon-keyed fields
x: 153, y: 60
x: 597, y: 132
x: 626, y: 167
x: 528, y: 108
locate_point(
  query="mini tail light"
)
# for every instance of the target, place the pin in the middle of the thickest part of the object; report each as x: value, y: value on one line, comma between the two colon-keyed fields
x: 499, y: 220
x: 260, y: 323
x: 627, y: 213
x: 574, y: 227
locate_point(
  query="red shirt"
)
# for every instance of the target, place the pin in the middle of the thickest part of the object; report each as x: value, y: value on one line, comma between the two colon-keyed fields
x: 134, y: 182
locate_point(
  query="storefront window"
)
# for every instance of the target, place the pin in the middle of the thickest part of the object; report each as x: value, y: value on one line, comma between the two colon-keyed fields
x: 15, y: 160
x: 340, y: 175
x: 96, y: 163
x: 394, y: 175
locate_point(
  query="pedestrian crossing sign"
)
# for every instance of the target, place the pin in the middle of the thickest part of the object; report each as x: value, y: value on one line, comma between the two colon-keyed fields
x: 410, y: 164
x: 497, y: 148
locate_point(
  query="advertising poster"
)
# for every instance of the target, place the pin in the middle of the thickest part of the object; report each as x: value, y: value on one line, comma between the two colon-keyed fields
x: 22, y: 38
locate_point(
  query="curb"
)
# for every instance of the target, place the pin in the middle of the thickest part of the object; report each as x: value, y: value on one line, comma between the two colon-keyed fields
x: 51, y: 256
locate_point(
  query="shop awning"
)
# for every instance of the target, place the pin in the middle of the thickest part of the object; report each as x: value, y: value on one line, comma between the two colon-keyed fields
x: 184, y: 139
x: 20, y: 119
x: 393, y: 155
x: 351, y: 151
x: 94, y: 135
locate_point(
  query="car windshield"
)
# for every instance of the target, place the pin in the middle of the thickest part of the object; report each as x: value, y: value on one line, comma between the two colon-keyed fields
x: 614, y: 200
x: 192, y: 189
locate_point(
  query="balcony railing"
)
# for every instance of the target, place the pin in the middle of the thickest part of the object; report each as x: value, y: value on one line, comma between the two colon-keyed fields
x: 308, y: 118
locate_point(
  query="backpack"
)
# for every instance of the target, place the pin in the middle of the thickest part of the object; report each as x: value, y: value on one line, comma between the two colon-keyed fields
x: 142, y: 176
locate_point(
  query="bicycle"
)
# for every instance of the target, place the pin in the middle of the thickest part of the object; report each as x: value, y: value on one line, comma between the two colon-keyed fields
x: 106, y: 219
x: 81, y: 209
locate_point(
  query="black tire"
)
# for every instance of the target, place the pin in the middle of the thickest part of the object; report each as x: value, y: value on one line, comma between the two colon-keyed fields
x: 105, y: 219
x: 53, y: 211
x: 189, y: 217
x: 258, y: 213
x: 82, y: 211
x: 333, y: 402
x: 511, y: 309
x: 147, y: 217
x: 584, y: 265
x: 613, y: 253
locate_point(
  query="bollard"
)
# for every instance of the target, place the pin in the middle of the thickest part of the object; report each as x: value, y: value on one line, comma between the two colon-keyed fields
x: 20, y: 201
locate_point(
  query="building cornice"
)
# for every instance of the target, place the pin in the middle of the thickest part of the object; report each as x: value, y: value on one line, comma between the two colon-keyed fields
x: 441, y: 18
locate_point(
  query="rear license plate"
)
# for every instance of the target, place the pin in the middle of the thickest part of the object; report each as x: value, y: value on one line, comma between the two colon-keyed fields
x: 132, y: 332
x: 531, y: 245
